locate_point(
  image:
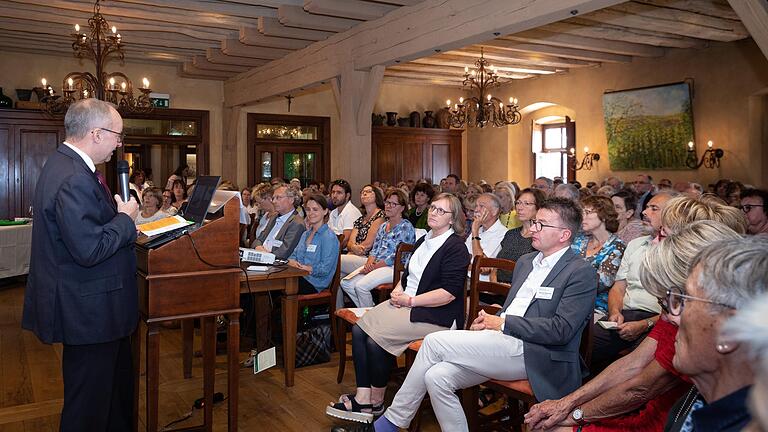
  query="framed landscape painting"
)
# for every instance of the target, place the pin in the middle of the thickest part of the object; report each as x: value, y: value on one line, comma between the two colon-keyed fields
x: 649, y: 128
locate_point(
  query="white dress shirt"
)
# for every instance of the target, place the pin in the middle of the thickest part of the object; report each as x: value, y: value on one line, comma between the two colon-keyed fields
x: 421, y: 257
x: 87, y: 159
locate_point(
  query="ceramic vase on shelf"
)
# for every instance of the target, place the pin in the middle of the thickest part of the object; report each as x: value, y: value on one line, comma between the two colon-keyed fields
x: 415, y: 117
x: 443, y: 118
x: 404, y: 121
x: 391, y: 118
x: 5, y: 101
x: 429, y: 119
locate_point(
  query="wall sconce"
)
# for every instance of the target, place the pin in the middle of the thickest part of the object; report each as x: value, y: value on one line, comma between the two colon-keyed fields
x: 710, y: 158
x: 586, y: 162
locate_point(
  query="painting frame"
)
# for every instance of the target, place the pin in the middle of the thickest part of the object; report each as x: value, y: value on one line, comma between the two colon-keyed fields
x: 649, y: 128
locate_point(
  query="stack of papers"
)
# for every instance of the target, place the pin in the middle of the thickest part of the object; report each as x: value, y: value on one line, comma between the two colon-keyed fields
x: 163, y: 225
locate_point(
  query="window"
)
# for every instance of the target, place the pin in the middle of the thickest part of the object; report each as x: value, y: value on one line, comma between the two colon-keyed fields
x: 550, y: 148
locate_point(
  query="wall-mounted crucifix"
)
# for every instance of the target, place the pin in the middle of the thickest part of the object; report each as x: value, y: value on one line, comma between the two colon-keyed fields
x: 290, y: 98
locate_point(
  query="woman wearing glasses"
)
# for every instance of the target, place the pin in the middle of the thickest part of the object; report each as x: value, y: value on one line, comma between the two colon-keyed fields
x: 379, y: 265
x: 428, y: 298
x: 517, y: 241
x: 599, y: 244
x: 638, y: 390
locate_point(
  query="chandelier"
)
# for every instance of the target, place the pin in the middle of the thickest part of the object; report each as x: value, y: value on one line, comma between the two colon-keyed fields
x: 99, y: 43
x: 482, y: 109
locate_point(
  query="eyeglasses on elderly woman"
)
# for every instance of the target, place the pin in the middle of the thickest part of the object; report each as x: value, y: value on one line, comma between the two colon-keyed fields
x: 674, y: 302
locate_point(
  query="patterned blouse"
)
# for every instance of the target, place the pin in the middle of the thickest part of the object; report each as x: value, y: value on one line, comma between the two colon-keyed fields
x: 385, y: 245
x: 606, y: 261
x: 362, y: 226
x: 634, y: 229
x: 513, y: 246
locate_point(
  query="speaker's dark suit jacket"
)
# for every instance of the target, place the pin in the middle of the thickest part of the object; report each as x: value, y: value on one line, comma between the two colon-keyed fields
x: 81, y: 287
x: 551, y: 328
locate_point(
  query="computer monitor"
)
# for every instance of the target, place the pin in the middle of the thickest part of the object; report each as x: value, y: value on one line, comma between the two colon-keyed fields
x: 197, y: 206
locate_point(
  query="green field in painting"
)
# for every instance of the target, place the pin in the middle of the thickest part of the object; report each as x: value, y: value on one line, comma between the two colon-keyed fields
x: 649, y: 142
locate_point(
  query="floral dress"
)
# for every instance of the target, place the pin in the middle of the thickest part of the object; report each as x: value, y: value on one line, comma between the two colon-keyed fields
x: 606, y: 261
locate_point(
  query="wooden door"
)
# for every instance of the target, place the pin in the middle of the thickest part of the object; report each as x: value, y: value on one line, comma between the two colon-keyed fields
x: 413, y: 153
x: 35, y: 144
x: 7, y: 171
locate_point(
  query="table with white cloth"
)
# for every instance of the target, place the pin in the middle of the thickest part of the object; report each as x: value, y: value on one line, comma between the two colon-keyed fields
x: 15, y: 247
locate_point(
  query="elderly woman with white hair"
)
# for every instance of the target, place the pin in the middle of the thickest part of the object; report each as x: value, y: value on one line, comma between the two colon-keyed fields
x: 507, y: 193
x: 724, y: 277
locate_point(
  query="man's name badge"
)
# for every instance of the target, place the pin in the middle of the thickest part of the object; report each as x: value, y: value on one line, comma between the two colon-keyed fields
x: 545, y: 293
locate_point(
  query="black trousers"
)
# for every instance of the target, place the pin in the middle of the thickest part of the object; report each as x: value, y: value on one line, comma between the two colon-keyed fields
x: 607, y: 344
x: 98, y: 387
x: 373, y: 363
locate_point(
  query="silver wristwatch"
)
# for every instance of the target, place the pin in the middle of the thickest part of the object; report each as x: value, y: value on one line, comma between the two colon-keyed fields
x: 578, y: 416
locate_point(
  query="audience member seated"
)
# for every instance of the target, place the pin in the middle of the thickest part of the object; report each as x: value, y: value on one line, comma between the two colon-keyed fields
x: 179, y: 194
x: 733, y: 193
x: 630, y: 227
x: 568, y: 191
x: 507, y: 215
x: 536, y: 335
x: 606, y: 191
x: 181, y: 174
x: 344, y: 214
x: 421, y: 196
x: 681, y: 186
x: 644, y: 189
x: 665, y: 183
x: 262, y: 196
x: 473, y: 190
x: 318, y: 248
x: 364, y: 231
x: 150, y: 209
x: 136, y: 183
x: 545, y: 185
x: 750, y: 327
x: 379, y: 266
x: 694, y: 190
x: 284, y: 229
x: 469, y: 205
x: 637, y: 391
x: 599, y: 245
x: 248, y: 203
x: 721, y: 189
x: 429, y: 298
x: 724, y: 277
x: 630, y: 306
x: 517, y: 242
x: 451, y: 184
x: 754, y: 203
x: 167, y: 203
x: 615, y: 183
x: 487, y: 230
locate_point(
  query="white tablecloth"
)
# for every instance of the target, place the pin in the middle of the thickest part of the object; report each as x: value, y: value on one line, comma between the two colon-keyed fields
x: 15, y: 246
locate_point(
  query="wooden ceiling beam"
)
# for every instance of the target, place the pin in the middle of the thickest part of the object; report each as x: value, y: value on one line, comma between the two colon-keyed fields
x: 461, y: 62
x: 754, y: 14
x: 715, y: 8
x: 272, y: 27
x: 189, y: 68
x: 494, y: 55
x: 214, y: 55
x: 295, y: 16
x: 199, y: 75
x: 586, y: 28
x: 398, y: 2
x: 457, y: 75
x: 234, y: 47
x: 352, y: 9
x: 252, y: 10
x: 578, y: 54
x: 418, y: 82
x: 673, y: 21
x: 251, y: 36
x: 565, y: 40
x: 201, y: 62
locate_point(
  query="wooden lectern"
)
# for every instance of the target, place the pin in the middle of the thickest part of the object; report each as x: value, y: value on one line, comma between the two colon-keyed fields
x: 175, y: 284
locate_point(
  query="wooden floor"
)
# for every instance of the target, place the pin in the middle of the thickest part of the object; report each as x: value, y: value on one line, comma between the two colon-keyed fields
x: 31, y: 389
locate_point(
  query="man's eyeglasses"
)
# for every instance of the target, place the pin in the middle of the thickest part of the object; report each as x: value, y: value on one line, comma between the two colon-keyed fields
x: 538, y: 226
x: 675, y: 302
x: 120, y: 135
x: 525, y: 203
x: 277, y: 197
x: 438, y: 211
x: 746, y: 208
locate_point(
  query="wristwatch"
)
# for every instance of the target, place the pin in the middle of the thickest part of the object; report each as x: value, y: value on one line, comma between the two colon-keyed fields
x: 476, y: 238
x: 578, y: 416
x: 650, y: 323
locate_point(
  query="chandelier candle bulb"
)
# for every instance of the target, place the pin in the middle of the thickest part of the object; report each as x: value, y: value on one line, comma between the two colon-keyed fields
x: 709, y: 143
x: 45, y: 83
x: 111, y: 83
x: 448, y: 103
x: 77, y: 28
x: 145, y: 82
x: 70, y: 83
x: 123, y: 85
x: 586, y: 149
x: 114, y: 30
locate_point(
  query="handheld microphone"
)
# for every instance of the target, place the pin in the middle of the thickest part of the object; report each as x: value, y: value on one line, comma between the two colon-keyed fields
x: 122, y: 180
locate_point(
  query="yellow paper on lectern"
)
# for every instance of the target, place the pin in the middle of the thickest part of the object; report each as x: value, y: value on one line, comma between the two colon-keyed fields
x: 163, y: 225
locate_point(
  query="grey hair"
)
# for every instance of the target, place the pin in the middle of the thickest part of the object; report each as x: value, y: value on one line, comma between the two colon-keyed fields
x: 494, y: 198
x: 290, y: 192
x: 549, y: 181
x: 666, y: 264
x: 85, y: 115
x: 750, y: 325
x: 733, y: 272
x: 567, y: 190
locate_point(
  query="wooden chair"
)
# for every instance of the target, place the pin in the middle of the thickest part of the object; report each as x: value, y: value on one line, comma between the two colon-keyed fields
x: 327, y: 296
x: 381, y: 292
x: 476, y: 286
x: 517, y: 392
x: 345, y: 317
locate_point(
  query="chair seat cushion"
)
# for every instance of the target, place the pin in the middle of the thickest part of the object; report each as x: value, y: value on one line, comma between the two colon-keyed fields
x: 324, y: 294
x: 347, y: 315
x: 520, y: 386
x: 385, y: 287
x: 415, y: 345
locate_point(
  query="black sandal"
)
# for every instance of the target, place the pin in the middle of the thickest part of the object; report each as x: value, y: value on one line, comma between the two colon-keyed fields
x: 340, y: 410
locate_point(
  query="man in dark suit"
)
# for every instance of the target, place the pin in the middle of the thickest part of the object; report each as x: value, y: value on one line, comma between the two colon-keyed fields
x: 536, y: 335
x: 284, y: 230
x: 81, y: 289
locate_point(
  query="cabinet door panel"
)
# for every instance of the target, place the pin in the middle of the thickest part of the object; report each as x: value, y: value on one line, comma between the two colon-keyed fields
x: 412, y: 160
x: 441, y: 161
x: 36, y: 144
x: 7, y: 172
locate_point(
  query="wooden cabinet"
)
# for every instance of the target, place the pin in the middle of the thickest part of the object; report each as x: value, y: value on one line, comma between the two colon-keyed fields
x: 26, y: 140
x: 413, y: 153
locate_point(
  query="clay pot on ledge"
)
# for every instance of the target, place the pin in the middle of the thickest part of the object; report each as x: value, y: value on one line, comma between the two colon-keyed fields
x: 415, y: 119
x: 391, y: 118
x: 404, y: 122
x: 429, y: 119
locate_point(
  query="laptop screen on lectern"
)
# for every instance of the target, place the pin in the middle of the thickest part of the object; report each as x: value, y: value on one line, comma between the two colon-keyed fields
x: 197, y: 206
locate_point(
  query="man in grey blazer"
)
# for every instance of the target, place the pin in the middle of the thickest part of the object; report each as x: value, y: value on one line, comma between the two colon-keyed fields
x: 283, y: 230
x: 536, y: 335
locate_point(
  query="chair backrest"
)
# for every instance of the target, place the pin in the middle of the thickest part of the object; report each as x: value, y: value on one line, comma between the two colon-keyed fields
x: 477, y: 286
x: 402, y: 249
x: 336, y: 281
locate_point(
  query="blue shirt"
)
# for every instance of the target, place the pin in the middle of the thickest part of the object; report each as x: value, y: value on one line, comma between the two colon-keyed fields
x: 385, y: 244
x: 322, y: 253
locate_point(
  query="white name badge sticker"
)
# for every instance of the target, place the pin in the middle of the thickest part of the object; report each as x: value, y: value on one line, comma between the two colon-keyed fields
x: 311, y: 248
x: 276, y: 243
x: 545, y: 293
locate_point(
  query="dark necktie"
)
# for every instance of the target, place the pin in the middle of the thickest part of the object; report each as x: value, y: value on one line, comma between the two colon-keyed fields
x: 103, y: 183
